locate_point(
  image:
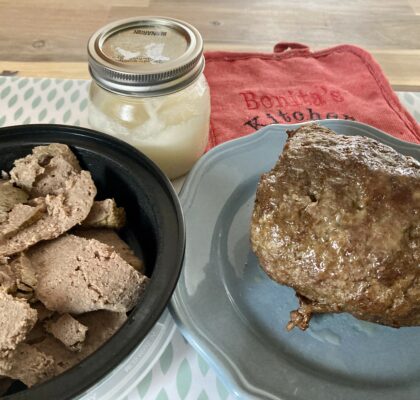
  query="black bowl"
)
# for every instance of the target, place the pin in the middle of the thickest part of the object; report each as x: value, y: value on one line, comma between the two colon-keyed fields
x: 155, y: 230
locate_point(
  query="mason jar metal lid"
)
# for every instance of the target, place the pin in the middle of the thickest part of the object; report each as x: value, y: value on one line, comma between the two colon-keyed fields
x: 146, y: 56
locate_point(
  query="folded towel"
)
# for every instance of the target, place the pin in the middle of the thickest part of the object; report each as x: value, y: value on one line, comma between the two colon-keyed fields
x: 293, y: 84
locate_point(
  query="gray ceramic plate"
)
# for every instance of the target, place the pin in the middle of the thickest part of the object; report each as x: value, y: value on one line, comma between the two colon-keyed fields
x: 235, y: 315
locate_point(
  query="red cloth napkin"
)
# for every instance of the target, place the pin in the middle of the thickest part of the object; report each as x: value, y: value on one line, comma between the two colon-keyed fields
x: 251, y: 90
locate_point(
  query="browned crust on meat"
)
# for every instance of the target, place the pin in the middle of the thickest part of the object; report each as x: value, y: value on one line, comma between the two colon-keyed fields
x: 338, y: 219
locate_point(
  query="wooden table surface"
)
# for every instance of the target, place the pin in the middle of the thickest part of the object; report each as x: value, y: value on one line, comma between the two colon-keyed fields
x: 48, y: 38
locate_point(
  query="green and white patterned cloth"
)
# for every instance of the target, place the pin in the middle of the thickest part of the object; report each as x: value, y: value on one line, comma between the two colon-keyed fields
x: 180, y: 373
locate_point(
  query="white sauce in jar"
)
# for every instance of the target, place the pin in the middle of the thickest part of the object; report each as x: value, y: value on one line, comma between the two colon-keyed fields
x: 165, y: 118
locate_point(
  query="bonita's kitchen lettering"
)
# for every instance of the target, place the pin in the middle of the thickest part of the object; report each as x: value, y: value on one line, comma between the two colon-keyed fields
x: 291, y: 98
x: 292, y: 106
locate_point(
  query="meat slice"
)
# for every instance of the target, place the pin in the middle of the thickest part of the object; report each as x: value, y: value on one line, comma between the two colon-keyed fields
x: 46, y: 170
x: 63, y: 211
x: 61, y: 197
x: 105, y: 214
x: 63, y: 358
x: 77, y: 275
x: 17, y: 277
x: 17, y: 319
x: 101, y: 326
x: 338, y: 220
x: 68, y: 331
x: 28, y: 365
x: 9, y: 197
x: 111, y: 238
x: 20, y: 217
x: 8, y: 279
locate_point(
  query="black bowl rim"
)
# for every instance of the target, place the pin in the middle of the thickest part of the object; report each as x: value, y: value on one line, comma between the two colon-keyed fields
x: 80, y: 378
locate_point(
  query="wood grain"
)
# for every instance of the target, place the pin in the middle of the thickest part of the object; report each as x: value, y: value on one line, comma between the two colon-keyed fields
x: 415, y: 4
x: 48, y: 38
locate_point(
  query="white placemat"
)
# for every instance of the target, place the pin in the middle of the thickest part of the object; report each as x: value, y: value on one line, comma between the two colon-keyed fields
x: 181, y: 373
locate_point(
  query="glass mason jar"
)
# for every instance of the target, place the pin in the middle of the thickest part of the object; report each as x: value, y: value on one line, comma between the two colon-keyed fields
x: 148, y: 89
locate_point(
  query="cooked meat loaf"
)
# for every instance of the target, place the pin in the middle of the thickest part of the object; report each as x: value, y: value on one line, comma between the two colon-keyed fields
x: 45, y: 356
x: 101, y: 326
x: 45, y: 170
x: 48, y: 217
x: 18, y: 318
x: 338, y: 220
x: 9, y: 197
x: 68, y: 331
x: 50, y: 293
x: 77, y: 275
x: 111, y: 238
x: 61, y: 196
x: 28, y: 365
